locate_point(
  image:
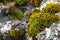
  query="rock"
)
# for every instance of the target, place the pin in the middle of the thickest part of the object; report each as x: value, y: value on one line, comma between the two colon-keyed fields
x: 57, y: 13
x: 16, y: 22
x: 53, y: 26
x: 42, y: 37
x: 58, y: 28
x: 29, y: 38
x: 56, y: 32
x: 6, y: 27
x: 39, y: 35
x: 0, y: 24
x: 48, y: 31
x: 8, y: 22
x: 3, y: 10
x: 43, y: 6
x: 23, y: 22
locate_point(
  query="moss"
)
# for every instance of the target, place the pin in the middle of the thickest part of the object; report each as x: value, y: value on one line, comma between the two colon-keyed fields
x: 15, y: 14
x: 14, y: 33
x: 35, y: 3
x: 39, y: 21
x: 21, y: 3
x: 51, y: 8
x: 1, y: 4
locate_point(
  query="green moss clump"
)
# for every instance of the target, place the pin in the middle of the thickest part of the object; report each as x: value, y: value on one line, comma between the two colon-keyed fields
x: 20, y: 16
x: 15, y: 14
x: 21, y: 2
x: 51, y: 8
x: 40, y: 21
x: 14, y: 33
x: 1, y: 4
